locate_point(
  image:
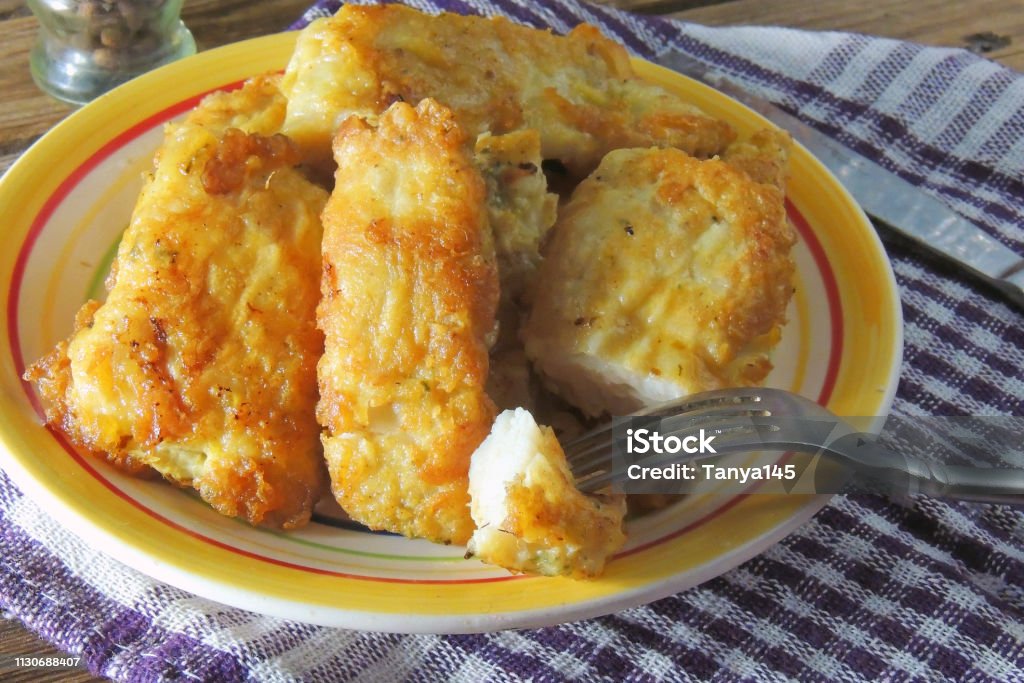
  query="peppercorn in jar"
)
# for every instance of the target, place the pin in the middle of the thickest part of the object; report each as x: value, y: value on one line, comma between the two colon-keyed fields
x: 86, y: 47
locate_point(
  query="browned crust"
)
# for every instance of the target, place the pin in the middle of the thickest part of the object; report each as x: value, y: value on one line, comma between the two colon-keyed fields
x: 193, y: 358
x: 409, y: 292
x: 579, y: 90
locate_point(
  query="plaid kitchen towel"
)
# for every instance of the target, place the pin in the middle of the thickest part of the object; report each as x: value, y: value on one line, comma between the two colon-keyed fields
x: 868, y: 590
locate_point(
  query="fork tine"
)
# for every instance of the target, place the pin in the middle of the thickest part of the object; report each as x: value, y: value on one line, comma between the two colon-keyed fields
x: 731, y: 437
x: 598, y: 469
x: 598, y: 443
x: 720, y: 399
x: 595, y: 439
x: 726, y: 413
x: 712, y: 419
x: 725, y: 402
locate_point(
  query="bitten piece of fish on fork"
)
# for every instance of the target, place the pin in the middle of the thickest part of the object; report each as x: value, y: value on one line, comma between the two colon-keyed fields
x: 529, y: 514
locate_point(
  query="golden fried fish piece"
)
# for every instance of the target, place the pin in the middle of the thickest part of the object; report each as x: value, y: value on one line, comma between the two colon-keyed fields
x: 529, y: 514
x: 201, y: 364
x: 257, y: 107
x: 409, y: 292
x: 520, y: 212
x: 520, y: 209
x: 764, y: 157
x: 579, y: 91
x: 666, y: 275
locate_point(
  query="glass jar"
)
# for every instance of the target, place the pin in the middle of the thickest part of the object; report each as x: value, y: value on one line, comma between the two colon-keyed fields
x: 86, y: 47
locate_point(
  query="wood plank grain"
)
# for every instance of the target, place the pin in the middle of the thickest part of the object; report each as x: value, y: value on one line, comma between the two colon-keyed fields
x: 657, y: 6
x: 219, y: 22
x: 16, y: 641
x: 212, y: 23
x: 34, y: 113
x: 932, y: 22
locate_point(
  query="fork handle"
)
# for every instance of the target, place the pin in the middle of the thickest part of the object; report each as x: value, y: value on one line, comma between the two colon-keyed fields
x: 873, y: 464
x: 881, y: 470
x: 988, y: 485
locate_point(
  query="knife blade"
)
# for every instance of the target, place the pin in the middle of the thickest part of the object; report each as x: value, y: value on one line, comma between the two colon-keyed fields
x: 882, y: 194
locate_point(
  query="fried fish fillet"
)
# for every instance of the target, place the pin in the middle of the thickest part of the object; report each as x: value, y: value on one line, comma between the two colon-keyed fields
x: 409, y: 292
x: 520, y: 209
x: 764, y: 157
x: 257, y: 107
x: 530, y: 517
x: 520, y: 212
x: 201, y: 364
x: 579, y: 91
x: 666, y: 275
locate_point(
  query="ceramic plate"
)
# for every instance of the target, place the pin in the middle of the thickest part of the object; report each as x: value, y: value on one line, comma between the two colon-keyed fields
x: 67, y: 200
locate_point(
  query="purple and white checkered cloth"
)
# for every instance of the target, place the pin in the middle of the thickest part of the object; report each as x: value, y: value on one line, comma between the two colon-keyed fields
x: 868, y: 590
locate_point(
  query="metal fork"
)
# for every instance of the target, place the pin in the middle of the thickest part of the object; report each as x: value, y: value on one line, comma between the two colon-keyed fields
x: 762, y: 419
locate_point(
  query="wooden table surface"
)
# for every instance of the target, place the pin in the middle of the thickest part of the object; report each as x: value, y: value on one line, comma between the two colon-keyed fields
x: 992, y: 27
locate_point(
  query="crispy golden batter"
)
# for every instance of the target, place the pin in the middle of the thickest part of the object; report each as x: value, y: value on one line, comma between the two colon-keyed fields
x: 520, y: 209
x: 510, y: 384
x: 201, y: 364
x: 409, y: 292
x: 764, y: 156
x: 665, y: 275
x: 257, y: 107
x: 578, y: 91
x: 530, y: 517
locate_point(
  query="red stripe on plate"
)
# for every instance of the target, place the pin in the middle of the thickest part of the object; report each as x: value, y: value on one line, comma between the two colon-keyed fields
x: 835, y: 307
x: 84, y: 463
